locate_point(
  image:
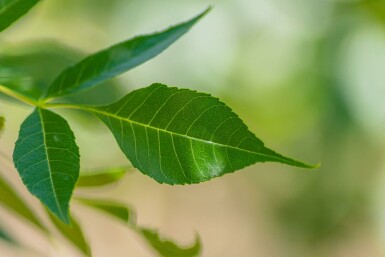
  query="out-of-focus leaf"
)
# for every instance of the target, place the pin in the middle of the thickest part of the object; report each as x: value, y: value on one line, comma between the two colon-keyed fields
x: 29, y: 67
x: 101, y: 177
x: 73, y: 233
x: 117, y: 210
x: 11, y: 200
x: 167, y: 248
x: 2, y: 121
x: 12, y: 10
x: 47, y: 159
x: 6, y: 237
x: 179, y: 136
x: 117, y: 59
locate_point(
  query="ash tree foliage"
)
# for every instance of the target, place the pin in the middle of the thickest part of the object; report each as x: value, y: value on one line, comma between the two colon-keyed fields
x: 173, y: 135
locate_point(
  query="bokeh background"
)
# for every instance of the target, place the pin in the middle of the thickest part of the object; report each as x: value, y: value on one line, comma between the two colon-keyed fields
x: 307, y: 76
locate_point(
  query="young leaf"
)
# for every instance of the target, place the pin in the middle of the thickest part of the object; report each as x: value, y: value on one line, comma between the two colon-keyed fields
x: 117, y: 59
x: 47, y: 159
x: 11, y: 10
x: 167, y: 248
x: 101, y: 177
x: 73, y: 233
x: 11, y: 200
x: 117, y: 210
x: 179, y: 136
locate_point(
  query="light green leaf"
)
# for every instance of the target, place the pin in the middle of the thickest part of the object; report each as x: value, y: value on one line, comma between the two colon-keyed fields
x: 11, y: 200
x: 117, y: 210
x: 101, y: 177
x: 167, y: 248
x: 11, y: 10
x: 179, y: 136
x: 115, y: 60
x: 47, y: 159
x: 72, y: 233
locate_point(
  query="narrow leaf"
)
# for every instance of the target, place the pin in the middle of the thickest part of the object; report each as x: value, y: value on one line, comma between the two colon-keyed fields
x: 101, y: 177
x: 167, y: 248
x: 12, y: 201
x: 73, y: 233
x: 179, y: 136
x: 117, y: 210
x: 47, y: 159
x: 6, y: 237
x: 117, y: 59
x: 11, y: 10
x: 2, y: 122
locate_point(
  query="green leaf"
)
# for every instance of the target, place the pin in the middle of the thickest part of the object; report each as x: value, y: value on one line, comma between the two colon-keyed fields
x: 11, y: 10
x: 73, y: 233
x: 117, y: 210
x: 11, y: 200
x: 47, y: 159
x: 117, y: 59
x: 6, y: 237
x: 179, y: 136
x: 101, y: 177
x: 167, y: 248
x: 2, y: 122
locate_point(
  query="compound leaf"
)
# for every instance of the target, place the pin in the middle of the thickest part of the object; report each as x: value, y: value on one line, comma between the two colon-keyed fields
x: 167, y: 248
x: 73, y: 233
x: 180, y: 136
x: 47, y: 159
x: 117, y: 59
x: 11, y: 200
x: 11, y: 10
x: 101, y: 177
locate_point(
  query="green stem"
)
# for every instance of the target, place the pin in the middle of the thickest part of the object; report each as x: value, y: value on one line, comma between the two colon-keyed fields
x: 18, y: 96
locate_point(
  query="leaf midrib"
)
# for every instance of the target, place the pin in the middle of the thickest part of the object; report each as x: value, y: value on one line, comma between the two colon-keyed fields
x: 186, y: 136
x: 48, y: 163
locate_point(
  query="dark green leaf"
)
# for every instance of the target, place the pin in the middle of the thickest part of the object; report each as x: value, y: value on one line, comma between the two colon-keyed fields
x: 101, y: 177
x: 115, y: 60
x: 11, y: 200
x: 47, y: 159
x: 11, y: 10
x: 118, y: 210
x: 179, y: 136
x: 166, y: 248
x: 73, y: 233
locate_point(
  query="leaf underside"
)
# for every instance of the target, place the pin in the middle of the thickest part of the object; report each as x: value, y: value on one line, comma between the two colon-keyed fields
x: 11, y: 10
x: 47, y: 159
x: 115, y: 60
x: 180, y: 136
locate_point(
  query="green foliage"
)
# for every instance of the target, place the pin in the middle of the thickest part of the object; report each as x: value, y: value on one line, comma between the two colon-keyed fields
x: 47, y: 159
x: 179, y: 136
x: 175, y: 136
x: 115, y: 60
x: 101, y: 177
x: 2, y: 121
x: 11, y: 10
x: 72, y: 233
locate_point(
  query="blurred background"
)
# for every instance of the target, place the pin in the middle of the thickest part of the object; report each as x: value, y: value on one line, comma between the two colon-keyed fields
x: 306, y: 76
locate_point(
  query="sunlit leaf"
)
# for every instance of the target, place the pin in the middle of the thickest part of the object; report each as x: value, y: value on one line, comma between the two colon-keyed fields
x: 47, y: 159
x: 117, y: 59
x: 101, y: 177
x: 11, y: 10
x: 179, y: 136
x: 12, y: 201
x: 167, y: 248
x: 117, y: 210
x: 73, y: 233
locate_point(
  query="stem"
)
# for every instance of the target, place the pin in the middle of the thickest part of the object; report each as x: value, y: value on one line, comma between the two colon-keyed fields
x: 18, y: 96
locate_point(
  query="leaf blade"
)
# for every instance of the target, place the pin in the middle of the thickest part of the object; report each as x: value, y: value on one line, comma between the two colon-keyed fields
x: 188, y: 137
x: 73, y: 233
x: 11, y: 10
x: 101, y: 177
x: 47, y: 159
x: 117, y: 59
